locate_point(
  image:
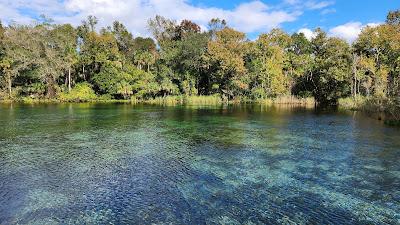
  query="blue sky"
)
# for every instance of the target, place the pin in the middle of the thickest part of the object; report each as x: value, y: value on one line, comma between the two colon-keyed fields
x: 342, y: 18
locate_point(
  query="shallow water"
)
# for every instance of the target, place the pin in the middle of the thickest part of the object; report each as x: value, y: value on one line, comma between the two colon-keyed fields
x: 125, y: 164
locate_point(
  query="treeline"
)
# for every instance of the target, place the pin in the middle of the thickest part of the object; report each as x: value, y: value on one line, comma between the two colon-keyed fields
x: 47, y: 60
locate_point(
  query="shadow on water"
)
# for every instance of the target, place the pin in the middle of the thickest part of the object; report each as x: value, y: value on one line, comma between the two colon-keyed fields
x: 226, y: 164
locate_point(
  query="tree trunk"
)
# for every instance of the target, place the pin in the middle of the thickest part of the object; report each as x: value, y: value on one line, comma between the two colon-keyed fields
x: 9, y: 86
x: 83, y: 71
x: 69, y: 79
x: 50, y: 88
x: 354, y: 86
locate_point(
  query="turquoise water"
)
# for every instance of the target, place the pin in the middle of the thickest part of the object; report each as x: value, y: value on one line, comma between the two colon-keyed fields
x: 125, y: 164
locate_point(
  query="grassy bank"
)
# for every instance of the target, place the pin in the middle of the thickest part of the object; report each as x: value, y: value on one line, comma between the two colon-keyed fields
x: 385, y: 109
x: 216, y: 99
x: 168, y: 100
x: 180, y: 100
x: 289, y: 100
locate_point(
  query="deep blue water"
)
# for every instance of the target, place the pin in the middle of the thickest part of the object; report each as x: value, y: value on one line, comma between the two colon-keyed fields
x: 127, y: 164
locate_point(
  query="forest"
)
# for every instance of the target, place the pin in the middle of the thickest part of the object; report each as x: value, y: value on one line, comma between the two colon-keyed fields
x: 45, y: 60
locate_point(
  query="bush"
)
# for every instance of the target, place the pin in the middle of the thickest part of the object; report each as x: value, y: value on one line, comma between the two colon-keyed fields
x: 36, y: 90
x: 288, y: 100
x: 167, y: 100
x: 377, y: 106
x: 181, y: 100
x: 258, y: 94
x: 353, y: 103
x: 4, y: 94
x: 105, y: 97
x: 82, y: 92
x: 293, y: 100
x: 203, y: 100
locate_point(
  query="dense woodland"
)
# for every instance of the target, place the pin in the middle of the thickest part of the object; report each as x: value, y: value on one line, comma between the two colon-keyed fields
x: 59, y: 61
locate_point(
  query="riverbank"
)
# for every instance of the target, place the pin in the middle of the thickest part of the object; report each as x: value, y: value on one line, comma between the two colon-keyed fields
x: 380, y: 109
x: 385, y: 109
x: 172, y: 100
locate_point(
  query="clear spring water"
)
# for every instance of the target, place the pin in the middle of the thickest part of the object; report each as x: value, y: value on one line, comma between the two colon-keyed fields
x: 125, y: 164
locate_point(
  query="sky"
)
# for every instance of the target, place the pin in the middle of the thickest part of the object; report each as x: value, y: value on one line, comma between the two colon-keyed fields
x: 340, y: 18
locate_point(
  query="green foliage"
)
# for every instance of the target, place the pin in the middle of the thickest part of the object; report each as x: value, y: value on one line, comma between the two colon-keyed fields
x: 353, y: 103
x: 182, y: 99
x: 145, y: 85
x: 393, y: 17
x: 108, y: 79
x: 82, y: 92
x: 258, y: 93
x: 268, y: 64
x: 226, y: 54
x: 144, y: 44
x: 44, y: 59
x: 36, y: 89
x: 328, y: 71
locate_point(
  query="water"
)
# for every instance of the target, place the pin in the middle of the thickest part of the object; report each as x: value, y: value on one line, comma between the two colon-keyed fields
x: 125, y: 164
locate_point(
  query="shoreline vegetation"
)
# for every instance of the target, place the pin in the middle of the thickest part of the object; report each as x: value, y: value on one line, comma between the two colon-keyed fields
x: 173, y: 100
x: 384, y: 109
x: 183, y: 64
x: 381, y: 110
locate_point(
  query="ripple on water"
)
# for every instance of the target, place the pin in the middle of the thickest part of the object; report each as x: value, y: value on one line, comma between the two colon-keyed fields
x: 118, y: 164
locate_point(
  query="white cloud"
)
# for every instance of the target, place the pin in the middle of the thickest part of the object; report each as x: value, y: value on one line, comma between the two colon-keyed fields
x: 253, y: 16
x: 328, y: 11
x: 307, y: 32
x: 310, y: 4
x: 349, y: 31
x: 318, y: 5
x: 12, y: 14
x: 292, y: 2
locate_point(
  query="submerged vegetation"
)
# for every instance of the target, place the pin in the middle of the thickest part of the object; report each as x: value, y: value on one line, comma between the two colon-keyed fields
x: 185, y: 64
x: 95, y: 163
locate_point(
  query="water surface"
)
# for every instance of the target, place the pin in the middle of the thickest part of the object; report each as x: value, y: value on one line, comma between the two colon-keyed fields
x: 126, y: 164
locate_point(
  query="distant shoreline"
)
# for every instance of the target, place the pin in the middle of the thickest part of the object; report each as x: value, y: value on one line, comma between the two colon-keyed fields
x: 346, y: 104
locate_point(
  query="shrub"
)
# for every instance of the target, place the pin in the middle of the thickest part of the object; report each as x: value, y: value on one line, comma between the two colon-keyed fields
x: 293, y: 100
x: 203, y: 100
x: 36, y: 90
x: 82, y: 92
x: 105, y: 97
x: 353, y: 103
x: 258, y: 93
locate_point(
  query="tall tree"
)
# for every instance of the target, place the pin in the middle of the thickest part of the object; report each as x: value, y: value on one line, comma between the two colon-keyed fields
x: 67, y: 37
x: 2, y: 53
x: 20, y: 53
x: 99, y: 50
x: 144, y: 45
x: 216, y: 25
x: 124, y: 39
x: 162, y: 29
x: 299, y: 63
x: 185, y: 29
x: 226, y: 53
x: 393, y: 18
x: 331, y: 68
x: 267, y: 65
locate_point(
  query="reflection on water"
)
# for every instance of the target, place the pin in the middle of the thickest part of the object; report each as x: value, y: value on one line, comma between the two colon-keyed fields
x: 105, y: 163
